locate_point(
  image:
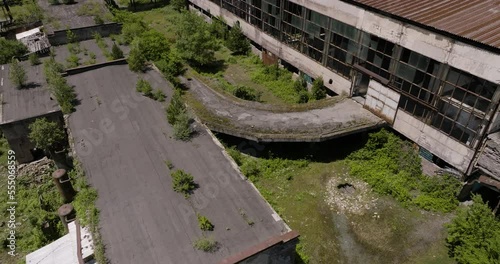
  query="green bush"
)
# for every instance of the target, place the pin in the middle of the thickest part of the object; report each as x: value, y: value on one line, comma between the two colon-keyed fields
x: 474, y: 234
x: 178, y: 5
x: 206, y: 244
x: 251, y: 169
x: 159, y: 95
x: 73, y: 61
x: 183, y: 182
x: 246, y: 93
x: 136, y: 60
x: 153, y: 45
x: 236, y: 155
x: 175, y: 108
x: 133, y: 29
x: 144, y: 87
x: 300, y: 84
x: 171, y: 65
x: 98, y: 20
x: 303, y: 97
x: 318, y: 89
x: 182, y: 127
x: 218, y: 28
x: 116, y: 52
x: 46, y: 135
x: 391, y: 166
x: 204, y: 223
x: 237, y: 42
x: 71, y: 36
x: 63, y: 93
x: 34, y: 59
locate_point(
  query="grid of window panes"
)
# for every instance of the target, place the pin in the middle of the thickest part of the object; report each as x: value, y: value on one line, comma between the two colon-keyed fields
x: 271, y: 17
x: 376, y: 54
x: 315, y: 28
x: 293, y: 23
x: 248, y: 10
x: 462, y: 106
x: 417, y: 78
x: 343, y: 47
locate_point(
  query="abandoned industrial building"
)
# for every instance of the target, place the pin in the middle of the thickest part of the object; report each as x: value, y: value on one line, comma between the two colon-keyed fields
x: 431, y: 70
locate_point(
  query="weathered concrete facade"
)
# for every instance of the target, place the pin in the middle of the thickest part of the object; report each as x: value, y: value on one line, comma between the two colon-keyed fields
x: 437, y: 90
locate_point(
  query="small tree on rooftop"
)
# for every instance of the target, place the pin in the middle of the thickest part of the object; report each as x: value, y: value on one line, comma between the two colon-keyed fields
x: 71, y: 36
x: 183, y: 182
x: 175, y: 108
x: 17, y: 74
x: 46, y: 135
x: 136, y: 60
x: 237, y: 42
x: 116, y: 52
x: 34, y: 59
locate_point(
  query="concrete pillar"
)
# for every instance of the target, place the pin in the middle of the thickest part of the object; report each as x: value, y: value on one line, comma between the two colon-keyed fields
x: 67, y: 215
x: 63, y: 183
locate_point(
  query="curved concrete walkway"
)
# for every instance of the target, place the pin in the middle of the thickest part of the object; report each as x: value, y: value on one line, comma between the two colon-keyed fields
x: 261, y: 122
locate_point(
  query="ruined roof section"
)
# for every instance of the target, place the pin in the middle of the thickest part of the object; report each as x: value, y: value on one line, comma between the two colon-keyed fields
x: 30, y: 101
x: 478, y: 20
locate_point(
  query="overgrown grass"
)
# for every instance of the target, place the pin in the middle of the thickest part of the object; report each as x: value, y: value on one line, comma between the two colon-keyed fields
x: 296, y: 189
x: 392, y: 166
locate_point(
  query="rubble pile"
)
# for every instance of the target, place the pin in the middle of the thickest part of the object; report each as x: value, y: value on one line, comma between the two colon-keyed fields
x: 348, y: 195
x: 36, y: 170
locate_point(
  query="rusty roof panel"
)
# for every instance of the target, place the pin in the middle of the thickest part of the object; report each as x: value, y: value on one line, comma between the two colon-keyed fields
x: 478, y: 20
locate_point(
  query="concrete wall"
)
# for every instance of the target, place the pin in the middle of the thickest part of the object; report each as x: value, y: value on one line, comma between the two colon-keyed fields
x: 439, y: 144
x: 382, y: 101
x: 84, y: 33
x: 17, y: 133
x: 276, y: 250
x: 302, y: 62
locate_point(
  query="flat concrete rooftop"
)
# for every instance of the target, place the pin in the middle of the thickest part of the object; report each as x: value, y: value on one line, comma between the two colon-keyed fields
x: 260, y: 122
x: 30, y: 101
x: 123, y: 141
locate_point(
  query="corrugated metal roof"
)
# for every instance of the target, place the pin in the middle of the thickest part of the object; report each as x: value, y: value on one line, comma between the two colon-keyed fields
x: 478, y: 20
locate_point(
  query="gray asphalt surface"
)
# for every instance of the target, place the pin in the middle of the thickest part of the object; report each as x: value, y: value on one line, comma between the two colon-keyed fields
x: 123, y: 140
x: 259, y: 122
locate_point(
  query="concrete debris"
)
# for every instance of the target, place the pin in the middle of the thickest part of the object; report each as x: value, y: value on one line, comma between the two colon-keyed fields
x: 36, y: 169
x: 347, y: 195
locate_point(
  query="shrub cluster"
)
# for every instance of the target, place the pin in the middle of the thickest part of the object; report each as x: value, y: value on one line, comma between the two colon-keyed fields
x: 204, y: 223
x: 63, y: 93
x: 178, y: 117
x: 183, y: 182
x: 144, y: 87
x: 392, y: 166
x: 246, y: 93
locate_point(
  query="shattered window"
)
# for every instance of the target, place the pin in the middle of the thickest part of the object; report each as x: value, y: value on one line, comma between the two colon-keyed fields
x: 343, y: 47
x: 376, y: 54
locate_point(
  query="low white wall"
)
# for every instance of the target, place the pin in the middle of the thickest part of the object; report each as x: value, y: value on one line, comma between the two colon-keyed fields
x: 382, y: 101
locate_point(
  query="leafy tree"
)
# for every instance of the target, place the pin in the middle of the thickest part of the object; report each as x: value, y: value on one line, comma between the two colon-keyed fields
x: 171, y: 65
x: 183, y: 182
x: 218, y: 28
x: 175, y: 108
x: 64, y: 94
x: 182, y: 128
x: 318, y: 89
x: 178, y: 5
x: 46, y: 135
x: 116, y: 52
x: 17, y: 74
x: 194, y: 41
x: 300, y: 84
x: 303, y: 97
x: 153, y: 45
x: 474, y: 235
x: 34, y: 59
x: 136, y: 60
x: 9, y: 49
x: 237, y: 42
